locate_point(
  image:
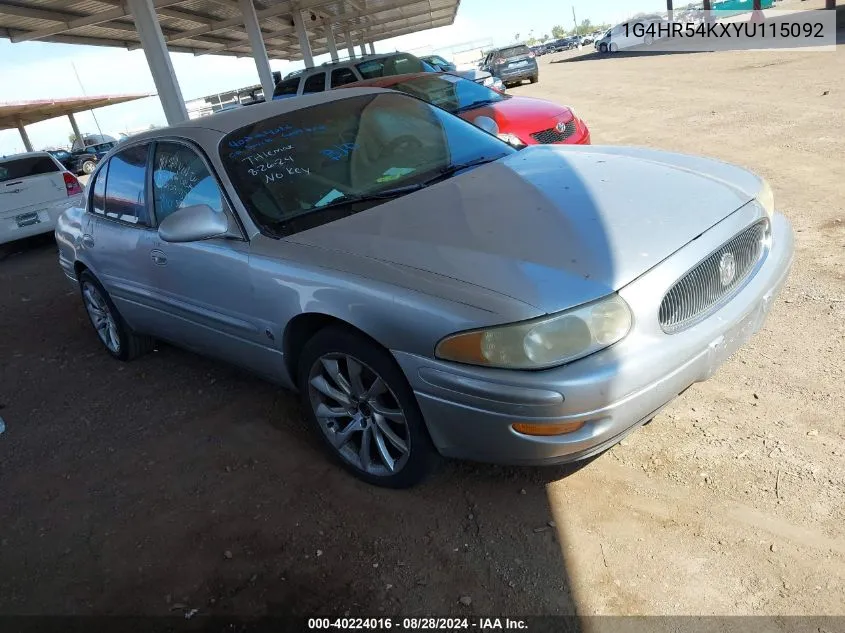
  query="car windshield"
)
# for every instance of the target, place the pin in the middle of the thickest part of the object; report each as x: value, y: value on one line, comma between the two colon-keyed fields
x: 453, y: 94
x: 294, y: 171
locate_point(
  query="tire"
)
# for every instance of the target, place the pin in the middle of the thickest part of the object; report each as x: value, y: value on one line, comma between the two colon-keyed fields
x: 112, y: 331
x: 353, y: 409
x: 602, y: 48
x: 534, y: 79
x: 88, y: 167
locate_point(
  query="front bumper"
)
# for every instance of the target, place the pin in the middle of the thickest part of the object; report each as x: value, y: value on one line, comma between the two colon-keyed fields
x: 469, y: 410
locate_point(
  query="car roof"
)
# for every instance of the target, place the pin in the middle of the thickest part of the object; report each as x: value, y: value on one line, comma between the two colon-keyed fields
x: 390, y: 80
x: 346, y: 62
x: 226, y: 122
x: 24, y: 155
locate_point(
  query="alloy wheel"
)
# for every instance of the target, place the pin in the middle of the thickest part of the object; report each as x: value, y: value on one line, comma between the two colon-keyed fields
x: 359, y: 414
x: 101, y: 317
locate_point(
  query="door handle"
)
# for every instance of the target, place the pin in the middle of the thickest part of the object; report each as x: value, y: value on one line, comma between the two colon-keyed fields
x: 88, y: 241
x: 158, y: 257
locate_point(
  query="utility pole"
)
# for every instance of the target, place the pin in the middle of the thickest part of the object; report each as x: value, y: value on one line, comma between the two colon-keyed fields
x: 574, y: 20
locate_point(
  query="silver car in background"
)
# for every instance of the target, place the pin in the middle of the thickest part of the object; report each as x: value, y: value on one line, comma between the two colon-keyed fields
x: 428, y: 289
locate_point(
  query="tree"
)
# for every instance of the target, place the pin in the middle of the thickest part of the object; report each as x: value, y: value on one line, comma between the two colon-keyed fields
x: 516, y: 37
x: 585, y: 27
x: 544, y: 39
x: 72, y: 138
x: 531, y: 41
x: 558, y: 32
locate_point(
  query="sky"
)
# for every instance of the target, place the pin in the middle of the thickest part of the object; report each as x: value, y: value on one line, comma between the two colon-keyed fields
x: 43, y: 70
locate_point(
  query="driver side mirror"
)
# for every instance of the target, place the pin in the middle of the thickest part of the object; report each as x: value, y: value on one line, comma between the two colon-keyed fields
x: 192, y: 224
x: 487, y: 124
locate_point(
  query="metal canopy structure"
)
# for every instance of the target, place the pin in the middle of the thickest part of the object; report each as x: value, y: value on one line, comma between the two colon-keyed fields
x: 218, y: 26
x: 15, y: 113
x: 19, y: 114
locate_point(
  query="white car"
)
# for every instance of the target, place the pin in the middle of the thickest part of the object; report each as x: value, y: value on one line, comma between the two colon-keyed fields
x: 35, y: 189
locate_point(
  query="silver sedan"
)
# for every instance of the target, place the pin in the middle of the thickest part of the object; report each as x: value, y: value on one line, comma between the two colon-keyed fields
x: 426, y: 288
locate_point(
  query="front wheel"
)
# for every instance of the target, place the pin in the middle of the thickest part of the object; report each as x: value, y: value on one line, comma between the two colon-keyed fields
x: 533, y: 79
x: 357, y: 396
x: 602, y: 48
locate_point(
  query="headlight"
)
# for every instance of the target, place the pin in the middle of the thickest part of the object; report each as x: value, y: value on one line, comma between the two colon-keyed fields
x: 512, y: 139
x: 766, y: 198
x: 544, y: 342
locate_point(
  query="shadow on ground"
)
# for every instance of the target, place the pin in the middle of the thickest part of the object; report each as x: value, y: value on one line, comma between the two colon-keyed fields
x: 175, y: 483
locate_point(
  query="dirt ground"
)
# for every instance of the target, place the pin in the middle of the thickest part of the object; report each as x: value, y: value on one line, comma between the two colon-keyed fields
x: 176, y: 482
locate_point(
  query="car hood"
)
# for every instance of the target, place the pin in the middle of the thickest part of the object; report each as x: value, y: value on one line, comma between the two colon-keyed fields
x: 519, y: 111
x: 550, y: 226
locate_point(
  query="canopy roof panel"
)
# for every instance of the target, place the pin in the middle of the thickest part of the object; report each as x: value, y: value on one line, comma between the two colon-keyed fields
x: 26, y: 112
x: 216, y: 26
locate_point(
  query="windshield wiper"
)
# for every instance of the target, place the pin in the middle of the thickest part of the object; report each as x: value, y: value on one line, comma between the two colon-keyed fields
x: 451, y: 170
x: 351, y: 198
x: 474, y: 104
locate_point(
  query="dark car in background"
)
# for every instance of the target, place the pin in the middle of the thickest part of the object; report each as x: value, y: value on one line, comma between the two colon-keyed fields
x: 99, y: 150
x: 80, y: 162
x: 512, y: 64
x: 439, y: 63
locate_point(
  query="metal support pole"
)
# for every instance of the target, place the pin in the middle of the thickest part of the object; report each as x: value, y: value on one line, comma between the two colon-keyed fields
x: 259, y: 51
x: 363, y: 49
x: 670, y: 11
x: 330, y: 42
x: 349, y: 46
x: 304, y: 44
x: 24, y: 136
x: 158, y: 59
x: 75, y: 127
x: 372, y: 49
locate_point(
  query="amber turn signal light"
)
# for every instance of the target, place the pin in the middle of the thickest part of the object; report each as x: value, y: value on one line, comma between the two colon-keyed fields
x: 547, y: 429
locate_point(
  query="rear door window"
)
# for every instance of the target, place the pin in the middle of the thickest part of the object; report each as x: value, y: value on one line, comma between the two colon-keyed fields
x: 343, y: 76
x: 126, y: 186
x: 26, y: 167
x: 315, y: 83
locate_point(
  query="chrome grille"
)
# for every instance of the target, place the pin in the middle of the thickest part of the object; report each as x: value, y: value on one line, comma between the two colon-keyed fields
x: 553, y: 136
x: 707, y: 286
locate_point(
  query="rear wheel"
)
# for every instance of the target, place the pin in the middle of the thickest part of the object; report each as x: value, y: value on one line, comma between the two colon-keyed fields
x: 115, y: 335
x: 88, y: 167
x: 534, y: 79
x: 358, y: 398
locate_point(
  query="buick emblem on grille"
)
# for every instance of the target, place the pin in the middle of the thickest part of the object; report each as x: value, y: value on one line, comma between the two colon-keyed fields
x: 560, y: 127
x: 727, y: 268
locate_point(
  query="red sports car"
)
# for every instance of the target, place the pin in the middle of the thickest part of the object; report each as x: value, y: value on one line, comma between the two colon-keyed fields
x: 521, y: 120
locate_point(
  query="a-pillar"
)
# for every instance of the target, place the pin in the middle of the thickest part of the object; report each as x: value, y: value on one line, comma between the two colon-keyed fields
x: 158, y: 59
x: 259, y: 51
x: 24, y: 136
x: 302, y: 34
